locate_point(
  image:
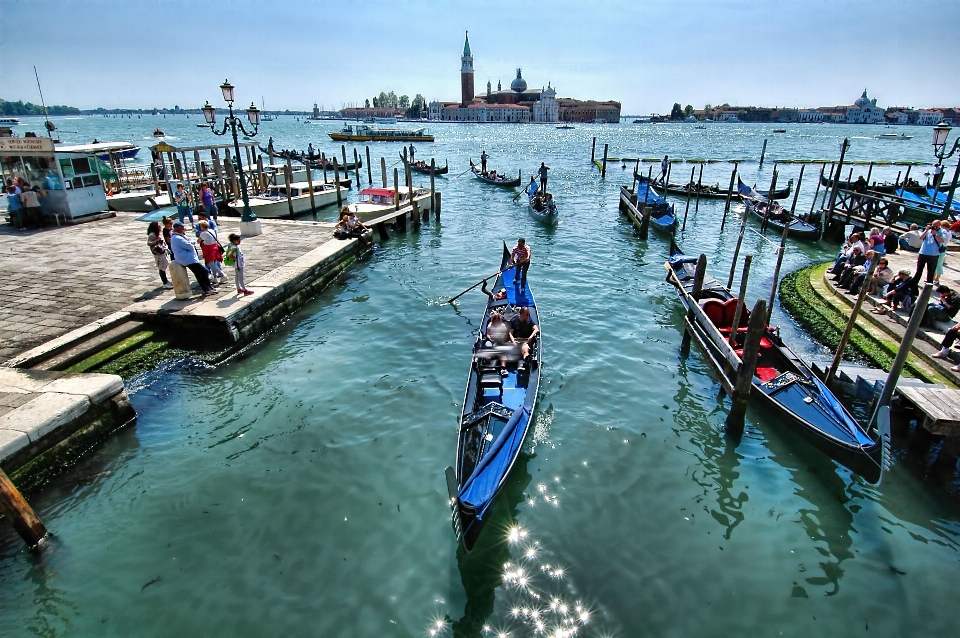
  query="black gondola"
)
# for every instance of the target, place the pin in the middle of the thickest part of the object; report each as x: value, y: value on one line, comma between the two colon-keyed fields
x: 423, y: 167
x: 782, y: 193
x: 497, y: 414
x: 506, y: 183
x: 847, y: 185
x: 782, y: 382
x: 777, y: 216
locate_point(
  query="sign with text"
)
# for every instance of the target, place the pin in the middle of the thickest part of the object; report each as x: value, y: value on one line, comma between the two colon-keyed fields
x: 25, y: 145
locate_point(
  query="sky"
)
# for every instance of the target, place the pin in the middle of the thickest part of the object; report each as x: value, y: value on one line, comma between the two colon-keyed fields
x: 645, y: 54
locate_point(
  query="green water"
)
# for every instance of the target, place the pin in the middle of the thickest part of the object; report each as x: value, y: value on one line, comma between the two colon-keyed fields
x: 298, y: 488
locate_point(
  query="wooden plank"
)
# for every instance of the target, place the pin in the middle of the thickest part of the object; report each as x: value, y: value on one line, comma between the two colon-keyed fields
x: 941, y: 406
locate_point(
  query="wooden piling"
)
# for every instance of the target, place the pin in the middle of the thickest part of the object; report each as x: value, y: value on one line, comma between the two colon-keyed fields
x: 593, y: 150
x: 736, y: 251
x: 396, y: 189
x: 383, y: 170
x: 695, y: 293
x: 369, y: 168
x: 726, y: 207
x: 741, y: 303
x: 343, y: 149
x: 836, y: 180
x: 406, y: 173
x: 838, y: 355
x: 687, y: 209
x: 748, y: 366
x: 261, y: 177
x: 436, y: 209
x: 770, y: 200
x: 783, y: 247
x: 288, y: 180
x: 817, y: 192
x: 336, y: 183
x: 323, y: 160
x: 313, y: 204
x: 156, y: 179
x: 603, y: 170
x: 763, y: 151
x: 644, y: 221
x: 16, y: 510
x: 433, y: 185
x: 356, y: 168
x: 696, y: 208
x: 382, y: 231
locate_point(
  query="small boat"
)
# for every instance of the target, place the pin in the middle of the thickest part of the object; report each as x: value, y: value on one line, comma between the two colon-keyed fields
x: 847, y: 185
x: 8, y: 121
x: 499, y: 181
x: 662, y: 217
x: 376, y: 202
x: 709, y: 191
x: 497, y: 414
x: 782, y: 382
x: 894, y: 136
x: 103, y: 150
x: 781, y: 193
x: 541, y: 209
x: 422, y: 167
x: 273, y: 201
x: 202, y: 125
x: 779, y: 130
x: 366, y: 133
x: 157, y: 132
x: 778, y: 217
x: 565, y: 126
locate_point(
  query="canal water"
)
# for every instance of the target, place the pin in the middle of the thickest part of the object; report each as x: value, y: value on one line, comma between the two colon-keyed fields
x: 298, y: 488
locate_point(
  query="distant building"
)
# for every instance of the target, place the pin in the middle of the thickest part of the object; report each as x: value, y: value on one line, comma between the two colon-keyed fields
x: 725, y: 116
x: 929, y: 117
x: 466, y: 73
x: 588, y: 111
x: 865, y: 111
x: 363, y: 113
x: 809, y: 115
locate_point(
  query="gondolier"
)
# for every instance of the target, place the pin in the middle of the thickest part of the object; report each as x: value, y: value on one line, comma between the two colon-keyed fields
x: 310, y: 150
x: 412, y: 152
x: 664, y: 165
x: 483, y: 160
x: 543, y: 176
x: 520, y: 257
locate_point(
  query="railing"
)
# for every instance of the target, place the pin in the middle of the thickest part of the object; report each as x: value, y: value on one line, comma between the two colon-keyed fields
x: 883, y: 209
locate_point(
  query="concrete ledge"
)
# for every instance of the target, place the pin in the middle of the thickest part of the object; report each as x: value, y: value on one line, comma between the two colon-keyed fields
x: 68, y: 340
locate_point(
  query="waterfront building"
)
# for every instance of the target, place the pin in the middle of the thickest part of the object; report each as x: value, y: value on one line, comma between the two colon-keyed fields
x: 865, y: 111
x: 725, y: 116
x: 365, y: 113
x: 929, y: 117
x: 809, y: 115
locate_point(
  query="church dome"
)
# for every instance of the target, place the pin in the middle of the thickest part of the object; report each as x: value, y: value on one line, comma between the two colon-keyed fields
x: 863, y: 100
x: 519, y: 84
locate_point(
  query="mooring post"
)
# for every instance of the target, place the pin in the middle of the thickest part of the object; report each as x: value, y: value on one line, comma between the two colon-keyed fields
x: 603, y: 171
x: 635, y: 171
x: 726, y: 207
x: 816, y: 193
x: 848, y: 329
x: 644, y: 221
x: 436, y: 210
x: 323, y: 160
x: 741, y: 304
x: 748, y: 367
x: 593, y: 150
x: 383, y: 170
x: 696, y: 208
x: 156, y: 179
x: 262, y: 180
x: 16, y: 510
x: 770, y: 201
x: 433, y: 185
x: 356, y: 168
x: 382, y: 231
x: 313, y: 203
x: 836, y: 180
x: 396, y: 189
x: 687, y: 209
x: 287, y: 179
x: 343, y: 150
x: 336, y: 183
x: 823, y: 199
x: 369, y: 168
x: 916, y: 318
x: 763, y: 151
x: 695, y: 293
x: 736, y: 251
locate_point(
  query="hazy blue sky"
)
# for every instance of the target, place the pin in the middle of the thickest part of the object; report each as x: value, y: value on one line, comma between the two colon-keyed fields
x: 646, y: 54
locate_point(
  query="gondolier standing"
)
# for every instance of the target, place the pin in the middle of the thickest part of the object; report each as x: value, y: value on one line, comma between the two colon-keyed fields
x: 664, y: 165
x: 310, y: 150
x: 520, y: 257
x: 483, y: 160
x: 543, y: 183
x: 412, y: 151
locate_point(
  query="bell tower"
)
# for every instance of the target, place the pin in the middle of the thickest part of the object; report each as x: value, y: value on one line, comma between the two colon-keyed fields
x: 466, y: 73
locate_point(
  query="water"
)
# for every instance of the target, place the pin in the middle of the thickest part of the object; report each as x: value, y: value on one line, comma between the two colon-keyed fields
x: 298, y: 489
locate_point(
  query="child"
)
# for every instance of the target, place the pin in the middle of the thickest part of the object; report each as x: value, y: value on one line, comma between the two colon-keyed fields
x: 234, y: 257
x: 210, y: 248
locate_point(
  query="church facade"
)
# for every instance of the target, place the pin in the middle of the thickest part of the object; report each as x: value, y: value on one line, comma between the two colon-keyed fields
x: 516, y: 104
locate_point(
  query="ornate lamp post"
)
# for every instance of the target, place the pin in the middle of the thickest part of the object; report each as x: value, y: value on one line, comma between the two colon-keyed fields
x: 249, y: 223
x: 940, y: 133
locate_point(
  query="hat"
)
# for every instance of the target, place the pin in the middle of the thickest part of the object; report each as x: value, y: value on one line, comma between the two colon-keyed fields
x: 905, y: 271
x: 178, y: 223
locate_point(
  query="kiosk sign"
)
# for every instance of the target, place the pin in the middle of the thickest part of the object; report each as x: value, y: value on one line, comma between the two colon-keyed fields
x: 25, y: 145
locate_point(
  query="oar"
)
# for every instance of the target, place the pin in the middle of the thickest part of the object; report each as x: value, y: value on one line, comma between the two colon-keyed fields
x: 499, y: 272
x: 520, y: 193
x: 464, y: 172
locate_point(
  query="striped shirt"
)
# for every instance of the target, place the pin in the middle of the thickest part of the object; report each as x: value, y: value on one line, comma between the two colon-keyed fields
x: 520, y: 253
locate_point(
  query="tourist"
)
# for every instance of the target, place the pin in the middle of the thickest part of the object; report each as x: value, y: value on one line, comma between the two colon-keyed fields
x: 158, y: 248
x: 182, y: 199
x: 937, y: 175
x: 14, y: 206
x: 543, y: 176
x: 520, y: 257
x: 910, y: 240
x: 846, y: 251
x: 934, y: 243
x: 310, y: 151
x: 532, y: 187
x: 902, y: 293
x: 944, y: 310
x: 209, y: 204
x: 882, y: 277
x: 876, y: 240
x: 856, y: 258
x: 483, y: 160
x: 497, y: 338
x: 13, y: 184
x: 523, y: 331
x: 890, y: 241
x: 167, y: 225
x: 234, y: 257
x: 355, y: 228
x: 32, y: 214
x: 947, y: 236
x: 212, y: 252
x: 212, y: 225
x: 412, y: 152
x: 858, y: 265
x: 185, y: 254
x: 948, y: 339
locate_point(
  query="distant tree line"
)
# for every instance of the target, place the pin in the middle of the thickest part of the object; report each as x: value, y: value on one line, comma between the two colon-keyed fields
x: 413, y: 109
x: 26, y: 108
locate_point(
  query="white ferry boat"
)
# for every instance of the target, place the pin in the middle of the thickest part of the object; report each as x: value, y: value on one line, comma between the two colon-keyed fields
x: 9, y: 121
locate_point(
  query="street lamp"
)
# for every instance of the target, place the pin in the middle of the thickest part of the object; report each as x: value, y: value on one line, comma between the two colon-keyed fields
x: 233, y: 123
x: 940, y: 133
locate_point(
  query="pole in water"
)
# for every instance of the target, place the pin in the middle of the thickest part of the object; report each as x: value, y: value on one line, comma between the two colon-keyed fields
x: 741, y: 308
x: 336, y: 183
x: 687, y: 209
x: 593, y: 150
x: 763, y: 152
x: 369, y: 168
x: 736, y: 251
x: 816, y: 193
x: 698, y: 278
x: 603, y: 171
x: 726, y: 207
x: 696, y: 209
x: 770, y: 200
x: 383, y: 170
x: 16, y: 510
x: 748, y: 366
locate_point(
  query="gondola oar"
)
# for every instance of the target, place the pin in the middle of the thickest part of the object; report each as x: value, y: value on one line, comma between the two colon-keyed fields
x: 499, y: 272
x: 517, y: 196
x: 465, y: 172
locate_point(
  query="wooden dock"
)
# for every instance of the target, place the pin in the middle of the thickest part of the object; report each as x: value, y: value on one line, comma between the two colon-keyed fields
x: 940, y: 407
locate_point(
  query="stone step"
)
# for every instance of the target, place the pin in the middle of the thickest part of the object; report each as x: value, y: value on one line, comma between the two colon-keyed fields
x: 89, y: 347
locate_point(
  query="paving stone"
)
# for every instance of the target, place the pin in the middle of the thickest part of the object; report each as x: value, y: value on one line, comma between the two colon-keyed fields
x: 11, y: 442
x: 44, y: 413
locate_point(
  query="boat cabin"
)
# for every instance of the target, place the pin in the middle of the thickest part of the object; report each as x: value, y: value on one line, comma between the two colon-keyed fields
x: 377, y: 196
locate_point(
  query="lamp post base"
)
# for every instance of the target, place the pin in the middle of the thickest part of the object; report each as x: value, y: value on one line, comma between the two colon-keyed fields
x: 250, y: 229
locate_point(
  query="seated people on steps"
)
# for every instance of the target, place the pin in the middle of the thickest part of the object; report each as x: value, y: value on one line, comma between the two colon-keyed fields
x: 882, y: 276
x: 948, y: 339
x: 900, y: 293
x: 852, y: 269
x: 910, y: 240
x: 856, y: 258
x: 523, y: 331
x: 943, y: 310
x: 846, y: 250
x: 890, y: 241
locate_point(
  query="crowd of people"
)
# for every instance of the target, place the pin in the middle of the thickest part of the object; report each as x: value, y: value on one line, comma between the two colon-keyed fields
x: 23, y: 204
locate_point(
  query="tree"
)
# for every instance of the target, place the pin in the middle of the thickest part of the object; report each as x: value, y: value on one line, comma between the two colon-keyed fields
x: 404, y: 101
x: 417, y: 107
x: 676, y: 113
x: 392, y: 99
x: 366, y: 103
x: 688, y: 110
x: 375, y: 103
x: 707, y: 107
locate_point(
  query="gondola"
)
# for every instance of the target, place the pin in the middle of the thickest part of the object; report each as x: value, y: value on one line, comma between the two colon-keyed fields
x: 782, y: 383
x: 847, y: 185
x: 542, y: 211
x: 507, y: 183
x: 707, y: 191
x: 497, y: 414
x: 782, y: 193
x: 778, y: 216
x: 423, y: 167
x: 662, y: 217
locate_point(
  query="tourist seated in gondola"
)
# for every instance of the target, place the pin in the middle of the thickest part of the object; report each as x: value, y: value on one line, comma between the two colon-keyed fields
x: 549, y: 203
x: 537, y: 203
x: 497, y: 340
x: 523, y: 331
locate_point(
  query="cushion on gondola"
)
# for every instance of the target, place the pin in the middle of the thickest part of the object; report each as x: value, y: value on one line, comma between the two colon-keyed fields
x: 766, y: 374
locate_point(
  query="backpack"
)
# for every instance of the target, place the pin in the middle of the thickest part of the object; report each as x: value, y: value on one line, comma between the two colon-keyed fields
x: 230, y: 257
